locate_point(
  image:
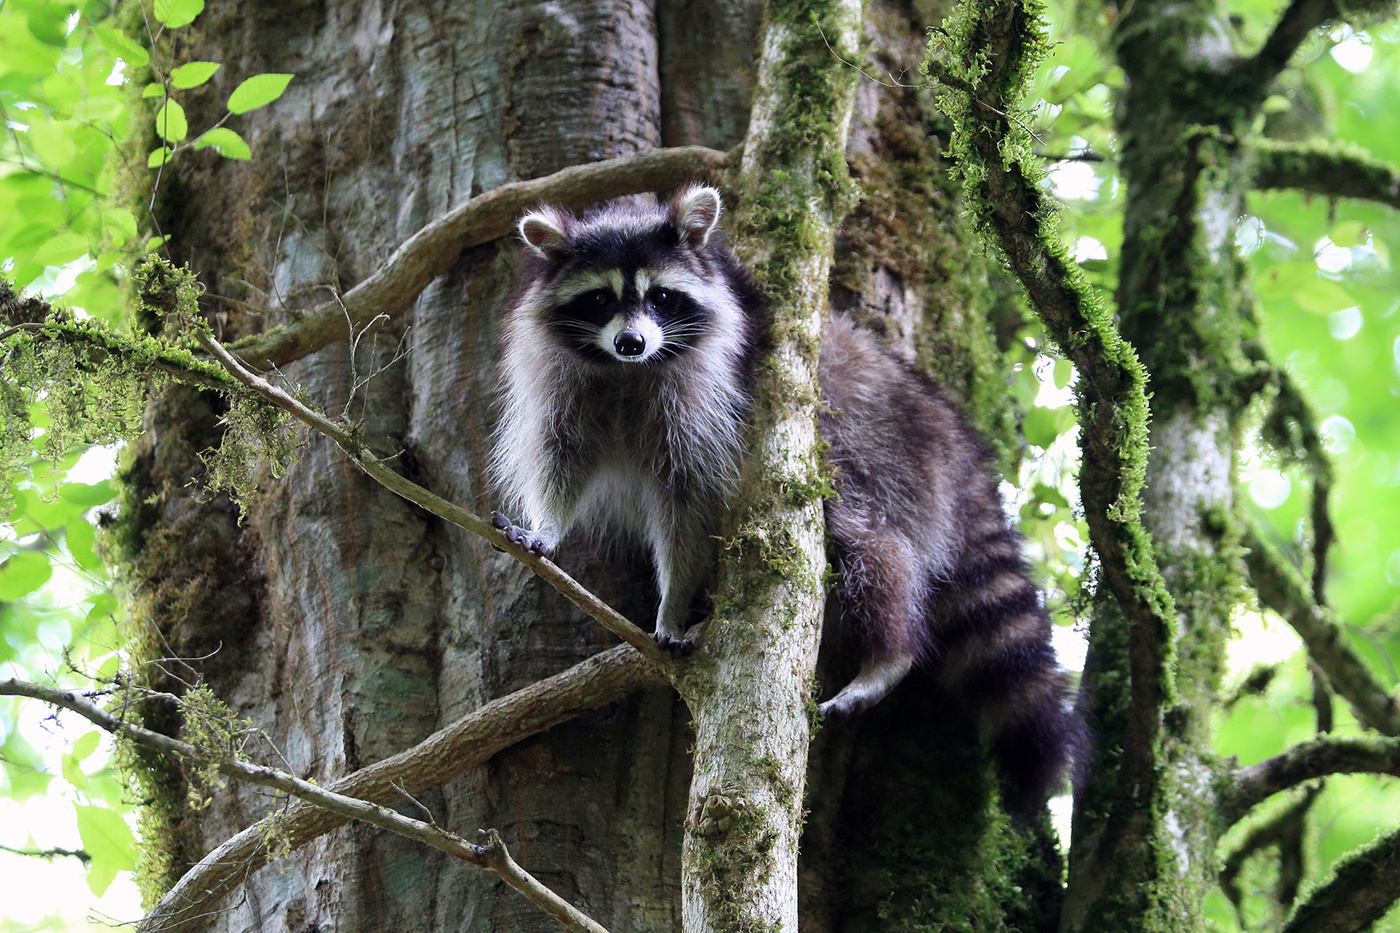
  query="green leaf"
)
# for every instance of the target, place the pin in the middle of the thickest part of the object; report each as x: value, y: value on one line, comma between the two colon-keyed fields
x: 48, y: 23
x: 86, y: 744
x: 87, y: 495
x: 23, y: 573
x: 257, y: 91
x: 170, y: 122
x: 193, y: 74
x: 1064, y: 371
x: 153, y: 90
x: 177, y: 13
x: 80, y: 538
x: 120, y: 224
x: 1047, y: 493
x: 73, y: 772
x: 122, y: 46
x: 155, y: 243
x: 225, y: 142
x: 159, y: 157
x: 1348, y: 233
x: 1040, y: 427
x: 106, y: 837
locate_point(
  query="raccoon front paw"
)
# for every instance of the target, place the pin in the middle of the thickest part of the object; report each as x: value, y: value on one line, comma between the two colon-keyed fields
x: 678, y: 646
x: 526, y: 540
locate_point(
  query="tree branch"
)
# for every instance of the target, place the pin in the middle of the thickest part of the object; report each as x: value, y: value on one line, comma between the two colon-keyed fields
x: 1285, y: 830
x: 430, y: 252
x: 493, y: 857
x: 1282, y: 588
x: 1363, y: 887
x: 350, y: 442
x: 443, y: 756
x: 1250, y: 786
x: 1335, y: 170
x: 1294, y: 26
x: 1010, y: 206
x: 39, y: 320
x: 50, y: 854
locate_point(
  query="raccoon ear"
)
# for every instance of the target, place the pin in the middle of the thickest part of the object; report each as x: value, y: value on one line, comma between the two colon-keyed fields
x: 696, y: 211
x: 545, y: 232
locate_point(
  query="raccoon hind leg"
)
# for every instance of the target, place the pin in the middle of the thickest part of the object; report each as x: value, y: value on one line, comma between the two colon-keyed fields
x: 881, y: 603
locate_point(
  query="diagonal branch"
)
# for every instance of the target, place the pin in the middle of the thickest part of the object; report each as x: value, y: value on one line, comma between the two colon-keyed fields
x: 492, y: 856
x: 430, y: 252
x: 446, y: 754
x: 1282, y: 588
x: 1365, y: 885
x: 1010, y: 203
x: 354, y: 447
x: 1294, y: 26
x: 1250, y: 786
x: 1335, y: 170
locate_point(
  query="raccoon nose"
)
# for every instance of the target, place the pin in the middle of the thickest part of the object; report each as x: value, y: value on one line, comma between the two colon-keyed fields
x: 629, y: 343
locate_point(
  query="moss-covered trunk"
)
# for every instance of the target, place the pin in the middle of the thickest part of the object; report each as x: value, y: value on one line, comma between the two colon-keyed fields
x: 1145, y: 846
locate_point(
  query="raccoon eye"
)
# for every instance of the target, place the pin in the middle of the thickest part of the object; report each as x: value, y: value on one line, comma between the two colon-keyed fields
x: 660, y: 297
x: 601, y: 297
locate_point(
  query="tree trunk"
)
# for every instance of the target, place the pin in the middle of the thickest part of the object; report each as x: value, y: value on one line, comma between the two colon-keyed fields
x: 348, y: 624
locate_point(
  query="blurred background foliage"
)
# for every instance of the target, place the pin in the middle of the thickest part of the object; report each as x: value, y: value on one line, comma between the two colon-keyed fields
x: 1328, y: 310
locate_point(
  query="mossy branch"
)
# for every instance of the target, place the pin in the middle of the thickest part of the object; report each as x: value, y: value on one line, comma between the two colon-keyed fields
x: 492, y: 856
x: 1284, y: 830
x: 1294, y: 25
x: 390, y: 291
x: 348, y: 439
x: 1364, y: 885
x: 1291, y: 427
x: 1282, y: 588
x: 992, y: 49
x: 1334, y: 170
x: 1250, y: 786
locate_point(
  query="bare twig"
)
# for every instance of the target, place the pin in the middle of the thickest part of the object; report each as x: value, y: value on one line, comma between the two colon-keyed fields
x: 378, y: 469
x: 1282, y: 588
x: 493, y: 856
x: 79, y: 854
x: 430, y: 252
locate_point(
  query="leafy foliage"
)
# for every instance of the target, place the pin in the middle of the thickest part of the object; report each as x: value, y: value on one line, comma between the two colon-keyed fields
x: 70, y: 383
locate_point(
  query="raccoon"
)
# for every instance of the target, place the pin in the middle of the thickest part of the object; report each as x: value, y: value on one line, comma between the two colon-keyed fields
x: 629, y: 349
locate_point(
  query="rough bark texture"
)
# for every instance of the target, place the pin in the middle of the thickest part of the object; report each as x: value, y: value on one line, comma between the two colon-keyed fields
x: 350, y: 625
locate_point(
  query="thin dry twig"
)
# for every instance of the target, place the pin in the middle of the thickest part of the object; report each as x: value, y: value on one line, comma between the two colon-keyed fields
x: 378, y: 470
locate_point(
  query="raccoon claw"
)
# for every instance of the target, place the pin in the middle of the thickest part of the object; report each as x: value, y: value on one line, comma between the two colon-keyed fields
x: 679, y: 647
x: 527, y: 541
x: 835, y: 710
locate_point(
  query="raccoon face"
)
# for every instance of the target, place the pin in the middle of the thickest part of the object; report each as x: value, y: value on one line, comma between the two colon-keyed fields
x: 628, y: 285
